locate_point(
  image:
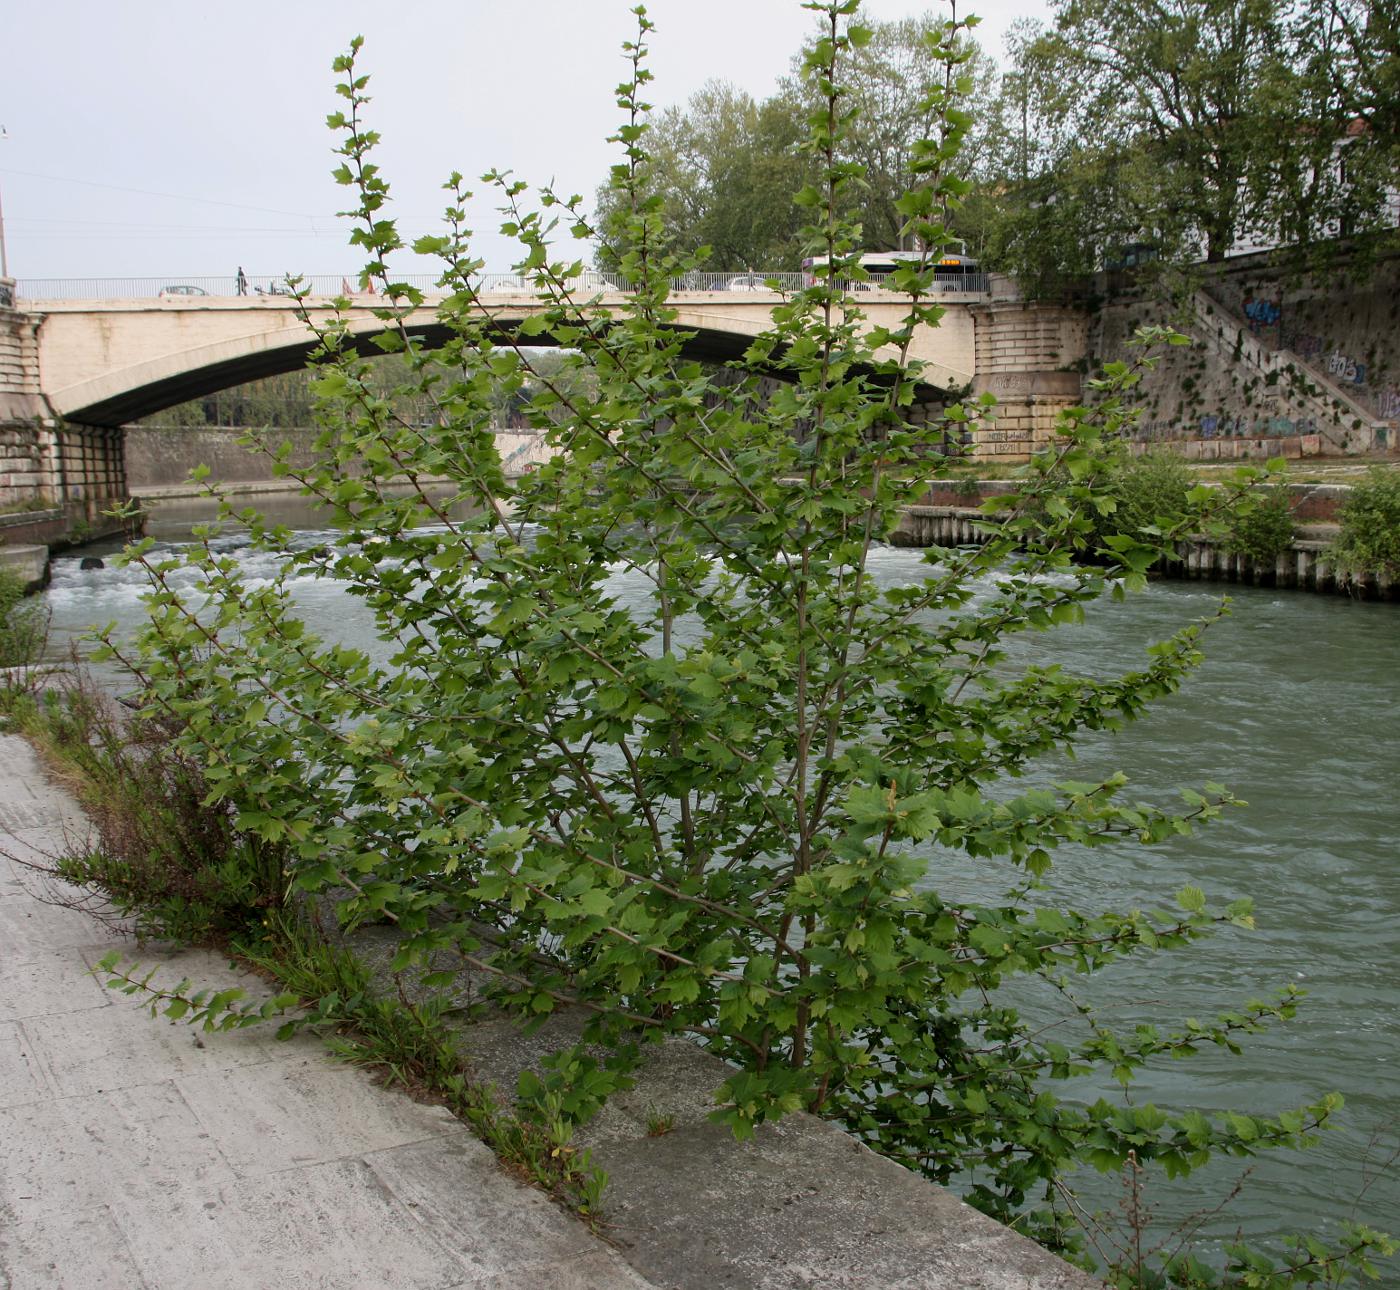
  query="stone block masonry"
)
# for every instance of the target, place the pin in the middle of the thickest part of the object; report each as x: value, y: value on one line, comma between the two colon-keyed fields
x: 23, y: 468
x: 1027, y: 356
x: 81, y: 469
x: 19, y: 363
x: 24, y: 456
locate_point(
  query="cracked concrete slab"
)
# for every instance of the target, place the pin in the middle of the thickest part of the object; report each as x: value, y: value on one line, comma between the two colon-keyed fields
x: 330, y: 1226
x: 140, y: 1154
x: 295, y: 1112
x: 28, y: 924
x: 455, y: 1194
x: 71, y: 1153
x: 79, y: 1250
x: 91, y: 1052
x: 49, y: 984
x: 21, y: 1077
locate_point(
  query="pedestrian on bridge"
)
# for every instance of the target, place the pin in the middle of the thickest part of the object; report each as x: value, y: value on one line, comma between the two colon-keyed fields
x: 242, y: 281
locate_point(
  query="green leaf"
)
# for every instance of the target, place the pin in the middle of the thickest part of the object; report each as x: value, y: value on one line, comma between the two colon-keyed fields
x: 1191, y: 899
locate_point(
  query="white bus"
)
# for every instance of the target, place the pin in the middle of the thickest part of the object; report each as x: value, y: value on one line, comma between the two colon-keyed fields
x: 949, y: 267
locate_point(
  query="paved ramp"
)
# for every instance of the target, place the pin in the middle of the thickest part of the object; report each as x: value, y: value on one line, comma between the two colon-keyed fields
x: 141, y: 1154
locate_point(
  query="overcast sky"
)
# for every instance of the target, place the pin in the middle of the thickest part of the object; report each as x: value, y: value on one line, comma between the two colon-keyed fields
x: 173, y: 140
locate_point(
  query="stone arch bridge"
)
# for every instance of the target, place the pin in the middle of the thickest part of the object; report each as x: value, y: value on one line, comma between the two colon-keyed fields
x: 74, y: 372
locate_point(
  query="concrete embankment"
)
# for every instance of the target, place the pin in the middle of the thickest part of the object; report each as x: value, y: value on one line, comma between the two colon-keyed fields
x: 802, y: 1205
x: 142, y: 1153
x: 30, y: 564
x: 956, y: 520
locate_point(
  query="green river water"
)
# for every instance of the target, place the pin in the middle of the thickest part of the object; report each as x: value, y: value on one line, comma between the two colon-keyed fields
x: 1297, y: 710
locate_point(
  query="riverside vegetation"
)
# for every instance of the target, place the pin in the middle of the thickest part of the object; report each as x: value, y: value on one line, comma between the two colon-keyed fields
x: 23, y: 624
x: 721, y: 819
x: 1369, y: 541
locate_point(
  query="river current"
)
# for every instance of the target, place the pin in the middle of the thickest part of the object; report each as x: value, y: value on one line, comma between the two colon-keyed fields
x: 1295, y: 709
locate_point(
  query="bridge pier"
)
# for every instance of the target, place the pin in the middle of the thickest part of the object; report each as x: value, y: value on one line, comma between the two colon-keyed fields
x: 78, y: 470
x: 23, y: 449
x: 1029, y: 356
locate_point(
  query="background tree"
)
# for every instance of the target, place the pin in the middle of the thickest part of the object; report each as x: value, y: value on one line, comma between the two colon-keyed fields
x: 1188, y: 125
x: 1051, y: 199
x: 1175, y: 85
x: 888, y: 90
x: 724, y: 168
x: 1339, y: 119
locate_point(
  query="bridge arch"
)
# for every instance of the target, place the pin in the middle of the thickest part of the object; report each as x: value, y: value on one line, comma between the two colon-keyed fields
x: 107, y: 363
x: 80, y: 370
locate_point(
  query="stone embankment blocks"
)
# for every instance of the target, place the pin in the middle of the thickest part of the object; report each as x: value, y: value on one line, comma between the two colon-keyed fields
x: 802, y: 1205
x: 143, y: 1155
x: 28, y: 563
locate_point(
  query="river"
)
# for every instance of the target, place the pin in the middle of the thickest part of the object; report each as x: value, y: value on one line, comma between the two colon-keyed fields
x: 1295, y: 709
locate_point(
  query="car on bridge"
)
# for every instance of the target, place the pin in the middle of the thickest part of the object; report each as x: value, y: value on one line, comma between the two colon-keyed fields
x: 748, y: 282
x: 181, y: 292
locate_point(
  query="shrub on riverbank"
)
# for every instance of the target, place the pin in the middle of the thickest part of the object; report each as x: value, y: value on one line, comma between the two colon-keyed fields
x: 177, y: 866
x: 24, y: 623
x: 1149, y: 489
x: 1369, y: 541
x: 721, y: 814
x: 1156, y: 491
x: 1262, y: 531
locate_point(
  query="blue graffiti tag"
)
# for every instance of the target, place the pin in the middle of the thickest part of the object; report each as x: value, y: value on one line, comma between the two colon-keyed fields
x: 1262, y: 313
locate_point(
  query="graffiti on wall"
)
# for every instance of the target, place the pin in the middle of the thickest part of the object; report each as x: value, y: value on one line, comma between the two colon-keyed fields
x: 1211, y: 426
x: 1304, y: 344
x: 1215, y: 427
x: 1262, y: 313
x: 1339, y: 365
x: 1388, y: 403
x: 1342, y: 367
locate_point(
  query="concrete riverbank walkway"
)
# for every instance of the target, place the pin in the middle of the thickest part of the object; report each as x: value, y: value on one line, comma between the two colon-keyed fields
x: 141, y: 1154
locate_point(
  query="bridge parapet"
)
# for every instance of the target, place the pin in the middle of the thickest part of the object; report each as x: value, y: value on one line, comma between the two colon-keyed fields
x: 196, y: 288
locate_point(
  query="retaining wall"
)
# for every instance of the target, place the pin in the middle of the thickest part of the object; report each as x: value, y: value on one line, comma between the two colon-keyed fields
x: 1281, y: 365
x: 801, y: 1205
x: 1343, y: 320
x: 945, y: 518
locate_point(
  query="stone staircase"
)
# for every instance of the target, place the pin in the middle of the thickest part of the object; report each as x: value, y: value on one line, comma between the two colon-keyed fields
x: 1345, y: 425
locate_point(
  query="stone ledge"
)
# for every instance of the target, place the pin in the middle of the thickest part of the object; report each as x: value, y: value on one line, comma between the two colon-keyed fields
x: 802, y: 1205
x: 31, y: 563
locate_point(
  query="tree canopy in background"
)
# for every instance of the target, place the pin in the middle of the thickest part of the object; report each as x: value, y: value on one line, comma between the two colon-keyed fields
x: 1177, y: 129
x: 725, y: 167
x: 1200, y: 125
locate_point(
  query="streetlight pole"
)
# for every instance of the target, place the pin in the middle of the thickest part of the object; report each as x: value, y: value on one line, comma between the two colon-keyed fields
x: 4, y: 263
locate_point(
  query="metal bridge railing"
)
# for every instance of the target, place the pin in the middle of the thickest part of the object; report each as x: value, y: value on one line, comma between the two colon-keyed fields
x: 193, y: 288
